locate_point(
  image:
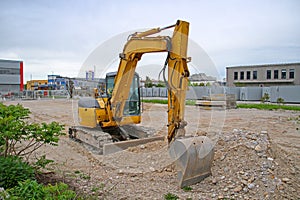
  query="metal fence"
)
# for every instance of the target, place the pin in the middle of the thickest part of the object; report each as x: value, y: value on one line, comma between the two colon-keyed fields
x: 36, y: 94
x: 290, y: 94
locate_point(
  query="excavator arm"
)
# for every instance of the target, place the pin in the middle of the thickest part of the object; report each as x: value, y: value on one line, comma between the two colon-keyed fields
x: 136, y: 46
x: 177, y: 83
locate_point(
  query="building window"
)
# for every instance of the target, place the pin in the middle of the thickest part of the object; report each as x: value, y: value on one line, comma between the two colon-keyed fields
x: 276, y: 74
x: 292, y: 73
x: 242, y: 76
x: 11, y: 71
x: 248, y: 75
x: 283, y: 74
x: 268, y: 74
x: 235, y: 76
x: 254, y: 75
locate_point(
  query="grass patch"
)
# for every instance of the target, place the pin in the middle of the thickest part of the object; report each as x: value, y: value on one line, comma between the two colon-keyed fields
x: 171, y: 196
x: 187, y: 188
x: 165, y: 101
x: 262, y: 106
x: 159, y: 101
x: 190, y: 102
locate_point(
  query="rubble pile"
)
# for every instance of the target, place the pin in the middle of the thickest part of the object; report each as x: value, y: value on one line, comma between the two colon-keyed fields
x: 243, y: 168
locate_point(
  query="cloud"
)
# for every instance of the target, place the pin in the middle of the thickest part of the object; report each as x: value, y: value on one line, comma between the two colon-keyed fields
x: 64, y: 33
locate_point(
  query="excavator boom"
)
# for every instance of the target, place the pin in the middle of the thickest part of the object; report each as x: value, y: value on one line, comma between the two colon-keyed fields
x: 136, y: 46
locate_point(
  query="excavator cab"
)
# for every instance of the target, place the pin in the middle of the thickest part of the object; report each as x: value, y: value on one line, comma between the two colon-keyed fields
x: 133, y: 103
x: 93, y: 112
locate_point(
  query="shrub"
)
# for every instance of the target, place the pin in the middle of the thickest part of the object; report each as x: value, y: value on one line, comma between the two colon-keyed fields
x: 13, y: 170
x: 265, y: 98
x: 14, y: 130
x: 280, y: 100
x: 59, y: 191
x: 3, y: 194
x: 41, y: 163
x: 30, y: 189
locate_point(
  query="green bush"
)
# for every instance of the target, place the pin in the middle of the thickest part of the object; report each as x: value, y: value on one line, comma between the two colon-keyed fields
x: 265, y: 98
x: 3, y: 194
x: 59, y: 191
x: 30, y: 189
x: 13, y: 170
x: 41, y: 163
x: 14, y: 129
x: 280, y: 100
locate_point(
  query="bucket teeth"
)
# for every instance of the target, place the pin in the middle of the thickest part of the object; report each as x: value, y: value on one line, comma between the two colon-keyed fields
x: 193, y: 156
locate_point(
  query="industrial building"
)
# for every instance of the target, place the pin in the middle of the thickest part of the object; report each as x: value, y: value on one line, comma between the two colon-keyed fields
x: 56, y: 82
x: 11, y: 76
x: 263, y: 75
x: 202, y: 78
x: 37, y: 85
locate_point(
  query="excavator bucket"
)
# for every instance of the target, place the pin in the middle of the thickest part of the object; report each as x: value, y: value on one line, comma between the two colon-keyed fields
x: 193, y: 157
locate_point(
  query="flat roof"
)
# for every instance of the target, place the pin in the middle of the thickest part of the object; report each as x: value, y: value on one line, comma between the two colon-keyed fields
x: 11, y: 61
x: 265, y: 65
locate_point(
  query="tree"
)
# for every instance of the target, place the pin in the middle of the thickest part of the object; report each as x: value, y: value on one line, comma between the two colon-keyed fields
x: 265, y: 98
x: 161, y: 84
x: 148, y: 82
x: 14, y: 129
x: 70, y: 88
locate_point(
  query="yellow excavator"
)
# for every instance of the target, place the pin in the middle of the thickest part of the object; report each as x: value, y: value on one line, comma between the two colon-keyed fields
x: 110, y: 115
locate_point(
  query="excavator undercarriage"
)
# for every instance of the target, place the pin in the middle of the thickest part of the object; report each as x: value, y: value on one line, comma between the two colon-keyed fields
x: 95, y: 139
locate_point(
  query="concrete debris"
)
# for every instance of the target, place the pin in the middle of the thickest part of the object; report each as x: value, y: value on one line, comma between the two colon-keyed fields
x: 152, y: 169
x: 286, y: 180
x: 251, y: 186
x: 258, y: 148
x: 270, y: 159
x: 264, y: 132
x: 238, y: 189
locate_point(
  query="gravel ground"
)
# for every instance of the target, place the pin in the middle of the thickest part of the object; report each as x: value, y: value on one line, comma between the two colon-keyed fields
x: 256, y: 155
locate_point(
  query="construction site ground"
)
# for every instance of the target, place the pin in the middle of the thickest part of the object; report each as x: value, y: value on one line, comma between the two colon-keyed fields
x: 257, y: 155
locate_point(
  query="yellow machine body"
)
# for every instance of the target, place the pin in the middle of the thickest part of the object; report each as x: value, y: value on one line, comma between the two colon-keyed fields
x: 95, y: 112
x: 92, y: 117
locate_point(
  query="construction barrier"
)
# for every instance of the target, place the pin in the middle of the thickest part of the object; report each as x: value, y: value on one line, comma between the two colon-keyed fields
x: 290, y: 94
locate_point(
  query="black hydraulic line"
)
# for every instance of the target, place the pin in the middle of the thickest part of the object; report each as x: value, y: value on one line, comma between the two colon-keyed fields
x: 173, y: 74
x: 167, y: 27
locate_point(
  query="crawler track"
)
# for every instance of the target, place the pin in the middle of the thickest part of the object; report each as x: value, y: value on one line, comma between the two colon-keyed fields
x: 94, y: 139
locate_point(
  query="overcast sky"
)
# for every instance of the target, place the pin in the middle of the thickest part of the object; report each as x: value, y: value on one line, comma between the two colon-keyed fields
x: 58, y: 36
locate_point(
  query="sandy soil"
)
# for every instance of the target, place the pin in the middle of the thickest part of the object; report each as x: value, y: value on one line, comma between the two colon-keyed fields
x: 257, y: 155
